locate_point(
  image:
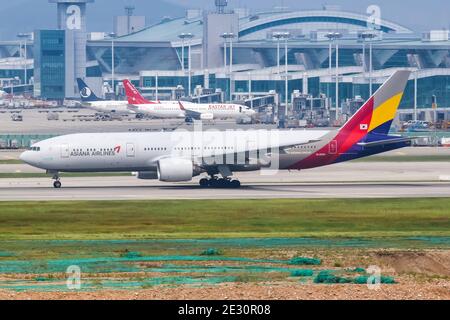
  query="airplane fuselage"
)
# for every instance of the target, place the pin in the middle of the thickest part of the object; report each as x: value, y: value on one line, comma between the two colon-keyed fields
x: 118, y: 107
x: 171, y: 109
x: 114, y: 152
x: 142, y: 151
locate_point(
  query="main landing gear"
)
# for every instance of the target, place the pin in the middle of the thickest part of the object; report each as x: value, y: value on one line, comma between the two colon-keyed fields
x: 57, y: 183
x: 215, y: 182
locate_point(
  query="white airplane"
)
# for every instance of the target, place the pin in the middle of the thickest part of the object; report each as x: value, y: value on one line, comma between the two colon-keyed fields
x: 179, y: 109
x: 180, y: 156
x: 91, y: 101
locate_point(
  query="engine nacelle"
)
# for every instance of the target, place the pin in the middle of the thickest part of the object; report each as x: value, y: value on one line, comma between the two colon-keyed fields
x: 175, y: 170
x: 207, y: 116
x: 147, y: 175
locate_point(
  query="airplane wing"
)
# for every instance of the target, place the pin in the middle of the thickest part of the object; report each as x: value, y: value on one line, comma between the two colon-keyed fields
x: 190, y: 113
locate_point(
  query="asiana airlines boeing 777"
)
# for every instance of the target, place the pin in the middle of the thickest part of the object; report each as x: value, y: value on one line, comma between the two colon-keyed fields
x: 180, y: 156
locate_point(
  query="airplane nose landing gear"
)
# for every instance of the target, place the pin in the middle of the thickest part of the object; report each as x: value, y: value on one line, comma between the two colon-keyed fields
x: 57, y: 183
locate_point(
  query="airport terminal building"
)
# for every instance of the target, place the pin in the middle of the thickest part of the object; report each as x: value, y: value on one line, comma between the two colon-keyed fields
x: 237, y: 55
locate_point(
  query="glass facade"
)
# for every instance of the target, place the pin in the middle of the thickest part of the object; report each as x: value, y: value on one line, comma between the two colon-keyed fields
x: 173, y: 81
x: 268, y: 85
x: 426, y: 88
x: 50, y: 66
x: 438, y: 86
x: 12, y: 73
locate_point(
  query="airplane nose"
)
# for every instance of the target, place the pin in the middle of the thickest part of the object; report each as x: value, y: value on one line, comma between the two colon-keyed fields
x: 25, y: 157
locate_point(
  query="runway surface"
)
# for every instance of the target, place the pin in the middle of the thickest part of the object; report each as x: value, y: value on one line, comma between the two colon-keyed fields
x: 127, y: 188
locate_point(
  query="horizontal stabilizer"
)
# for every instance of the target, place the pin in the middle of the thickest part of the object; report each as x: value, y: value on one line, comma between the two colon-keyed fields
x: 388, y: 141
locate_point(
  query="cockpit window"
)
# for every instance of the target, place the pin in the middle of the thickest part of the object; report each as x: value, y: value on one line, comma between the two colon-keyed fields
x: 35, y: 149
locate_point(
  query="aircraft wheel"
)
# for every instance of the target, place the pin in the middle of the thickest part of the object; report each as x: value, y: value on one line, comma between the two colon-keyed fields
x: 236, y: 184
x: 57, y: 184
x: 204, y: 183
x: 214, y: 183
x: 223, y: 183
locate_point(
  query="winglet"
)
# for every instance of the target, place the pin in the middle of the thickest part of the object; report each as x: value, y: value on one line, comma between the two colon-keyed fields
x: 181, y: 106
x: 133, y: 95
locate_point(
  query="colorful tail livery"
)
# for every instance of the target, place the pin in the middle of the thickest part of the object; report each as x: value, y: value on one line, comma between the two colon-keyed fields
x: 86, y: 93
x: 133, y: 95
x: 367, y: 132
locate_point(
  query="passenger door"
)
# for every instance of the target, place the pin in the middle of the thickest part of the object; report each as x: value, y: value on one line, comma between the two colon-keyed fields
x: 131, y: 152
x: 65, y: 151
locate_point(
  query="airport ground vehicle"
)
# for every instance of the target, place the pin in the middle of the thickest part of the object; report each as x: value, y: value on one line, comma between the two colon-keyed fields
x: 17, y: 117
x: 180, y: 156
x: 52, y: 116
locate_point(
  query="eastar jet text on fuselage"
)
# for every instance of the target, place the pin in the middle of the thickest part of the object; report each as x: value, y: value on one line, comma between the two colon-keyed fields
x: 180, y: 156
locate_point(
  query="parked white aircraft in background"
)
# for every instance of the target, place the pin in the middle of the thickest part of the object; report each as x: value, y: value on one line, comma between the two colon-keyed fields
x: 184, y: 109
x: 179, y: 156
x: 91, y: 101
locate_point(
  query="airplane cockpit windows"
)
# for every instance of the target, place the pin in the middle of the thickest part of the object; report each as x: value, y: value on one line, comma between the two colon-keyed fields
x: 35, y: 149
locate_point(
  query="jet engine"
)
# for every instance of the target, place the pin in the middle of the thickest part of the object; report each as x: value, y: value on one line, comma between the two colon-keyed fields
x: 175, y: 170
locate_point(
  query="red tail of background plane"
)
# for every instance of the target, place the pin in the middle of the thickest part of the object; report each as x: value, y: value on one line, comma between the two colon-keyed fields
x: 133, y: 95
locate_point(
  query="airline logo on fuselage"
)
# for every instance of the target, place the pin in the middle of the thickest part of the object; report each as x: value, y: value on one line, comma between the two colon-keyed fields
x: 102, y: 152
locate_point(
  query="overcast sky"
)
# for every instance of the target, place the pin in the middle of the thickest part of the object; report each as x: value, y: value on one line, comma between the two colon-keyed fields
x: 28, y: 15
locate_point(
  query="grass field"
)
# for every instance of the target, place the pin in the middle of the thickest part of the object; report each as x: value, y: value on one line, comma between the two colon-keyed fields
x: 193, y: 219
x: 11, y: 161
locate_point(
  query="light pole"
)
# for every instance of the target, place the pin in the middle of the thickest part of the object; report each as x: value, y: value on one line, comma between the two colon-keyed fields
x: 334, y: 36
x: 25, y: 36
x: 368, y: 35
x: 285, y: 36
x: 184, y: 37
x: 182, y: 51
x: 415, y: 94
x: 156, y: 87
x: 278, y: 36
x: 250, y: 90
x: 230, y: 36
x: 112, y: 35
x: 225, y: 55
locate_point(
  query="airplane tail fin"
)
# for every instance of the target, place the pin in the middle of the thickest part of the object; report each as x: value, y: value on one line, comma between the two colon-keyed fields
x: 86, y: 94
x: 133, y: 95
x: 367, y: 131
x: 377, y: 114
